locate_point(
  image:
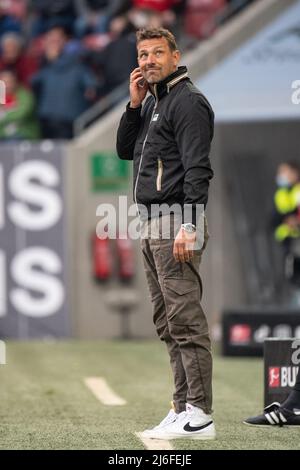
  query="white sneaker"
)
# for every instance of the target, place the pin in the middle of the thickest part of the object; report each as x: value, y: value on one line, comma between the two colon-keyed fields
x: 169, y: 419
x: 192, y: 424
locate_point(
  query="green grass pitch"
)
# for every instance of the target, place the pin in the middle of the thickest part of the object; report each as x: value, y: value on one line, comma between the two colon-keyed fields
x: 44, y: 403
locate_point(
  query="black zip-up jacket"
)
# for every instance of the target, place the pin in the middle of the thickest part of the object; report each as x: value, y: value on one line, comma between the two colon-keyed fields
x: 169, y: 142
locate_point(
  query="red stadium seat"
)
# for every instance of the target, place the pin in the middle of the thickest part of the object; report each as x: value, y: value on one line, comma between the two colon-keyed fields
x: 201, y: 17
x: 199, y: 25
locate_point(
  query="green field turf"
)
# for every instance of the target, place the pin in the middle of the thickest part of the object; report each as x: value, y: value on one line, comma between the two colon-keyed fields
x: 44, y: 403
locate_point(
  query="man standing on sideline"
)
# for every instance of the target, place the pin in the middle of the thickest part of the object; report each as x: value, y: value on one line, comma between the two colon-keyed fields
x: 169, y: 141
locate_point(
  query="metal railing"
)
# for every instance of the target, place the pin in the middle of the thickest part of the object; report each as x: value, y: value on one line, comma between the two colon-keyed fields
x: 100, y: 108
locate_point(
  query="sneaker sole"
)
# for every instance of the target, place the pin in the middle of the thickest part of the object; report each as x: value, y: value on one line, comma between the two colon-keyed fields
x: 271, y: 425
x: 198, y: 437
x: 207, y: 435
x: 170, y: 437
x: 260, y: 425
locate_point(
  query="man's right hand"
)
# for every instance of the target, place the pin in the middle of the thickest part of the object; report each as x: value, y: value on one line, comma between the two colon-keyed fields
x: 137, y: 91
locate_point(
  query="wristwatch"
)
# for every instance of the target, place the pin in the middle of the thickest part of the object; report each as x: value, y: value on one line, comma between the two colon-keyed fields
x: 190, y: 228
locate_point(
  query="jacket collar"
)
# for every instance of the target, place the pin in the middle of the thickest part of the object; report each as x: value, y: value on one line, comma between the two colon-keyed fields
x: 164, y: 87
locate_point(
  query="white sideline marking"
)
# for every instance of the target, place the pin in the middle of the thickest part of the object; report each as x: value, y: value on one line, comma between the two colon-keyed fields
x: 100, y: 388
x: 154, y: 444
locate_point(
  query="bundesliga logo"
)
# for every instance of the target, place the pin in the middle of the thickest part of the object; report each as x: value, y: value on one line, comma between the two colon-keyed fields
x: 282, y: 376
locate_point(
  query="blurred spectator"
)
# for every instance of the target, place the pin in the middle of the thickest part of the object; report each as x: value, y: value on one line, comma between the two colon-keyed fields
x: 51, y: 13
x: 203, y: 17
x: 94, y: 16
x: 286, y: 221
x: 64, y: 88
x: 158, y: 5
x: 13, y: 57
x: 287, y: 203
x: 145, y: 18
x: 17, y: 115
x: 8, y: 23
x: 168, y: 12
x: 115, y: 63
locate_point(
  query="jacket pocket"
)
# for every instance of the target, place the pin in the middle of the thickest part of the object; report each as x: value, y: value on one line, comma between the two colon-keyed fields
x: 160, y: 170
x: 181, y: 286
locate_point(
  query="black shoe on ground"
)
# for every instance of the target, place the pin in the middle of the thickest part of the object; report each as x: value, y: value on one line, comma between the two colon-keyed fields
x: 275, y: 415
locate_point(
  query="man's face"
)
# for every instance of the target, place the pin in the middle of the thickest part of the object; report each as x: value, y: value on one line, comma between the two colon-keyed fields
x: 55, y: 43
x: 11, y: 50
x: 156, y: 60
x: 287, y: 174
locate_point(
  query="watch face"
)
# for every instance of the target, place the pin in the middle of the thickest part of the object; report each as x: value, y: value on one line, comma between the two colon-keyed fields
x: 189, y: 228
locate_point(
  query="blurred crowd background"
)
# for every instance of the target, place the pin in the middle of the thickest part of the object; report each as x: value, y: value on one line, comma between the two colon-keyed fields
x: 59, y: 58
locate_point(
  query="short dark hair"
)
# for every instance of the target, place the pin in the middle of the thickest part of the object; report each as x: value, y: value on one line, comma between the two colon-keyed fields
x: 10, y: 71
x: 293, y: 164
x: 153, y: 33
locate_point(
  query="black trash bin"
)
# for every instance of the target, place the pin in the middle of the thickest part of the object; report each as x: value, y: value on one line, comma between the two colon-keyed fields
x: 281, y: 362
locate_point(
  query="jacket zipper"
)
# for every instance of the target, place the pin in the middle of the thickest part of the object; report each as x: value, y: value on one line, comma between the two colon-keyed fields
x: 144, y: 143
x: 160, y: 170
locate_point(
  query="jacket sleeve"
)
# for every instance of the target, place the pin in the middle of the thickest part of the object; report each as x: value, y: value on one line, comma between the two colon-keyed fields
x: 23, y: 110
x: 127, y: 132
x: 193, y: 123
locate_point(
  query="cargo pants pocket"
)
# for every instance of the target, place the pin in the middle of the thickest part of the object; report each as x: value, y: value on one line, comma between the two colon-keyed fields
x: 182, y: 299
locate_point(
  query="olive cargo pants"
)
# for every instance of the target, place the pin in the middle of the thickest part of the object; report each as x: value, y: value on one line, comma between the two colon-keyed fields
x: 175, y: 291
